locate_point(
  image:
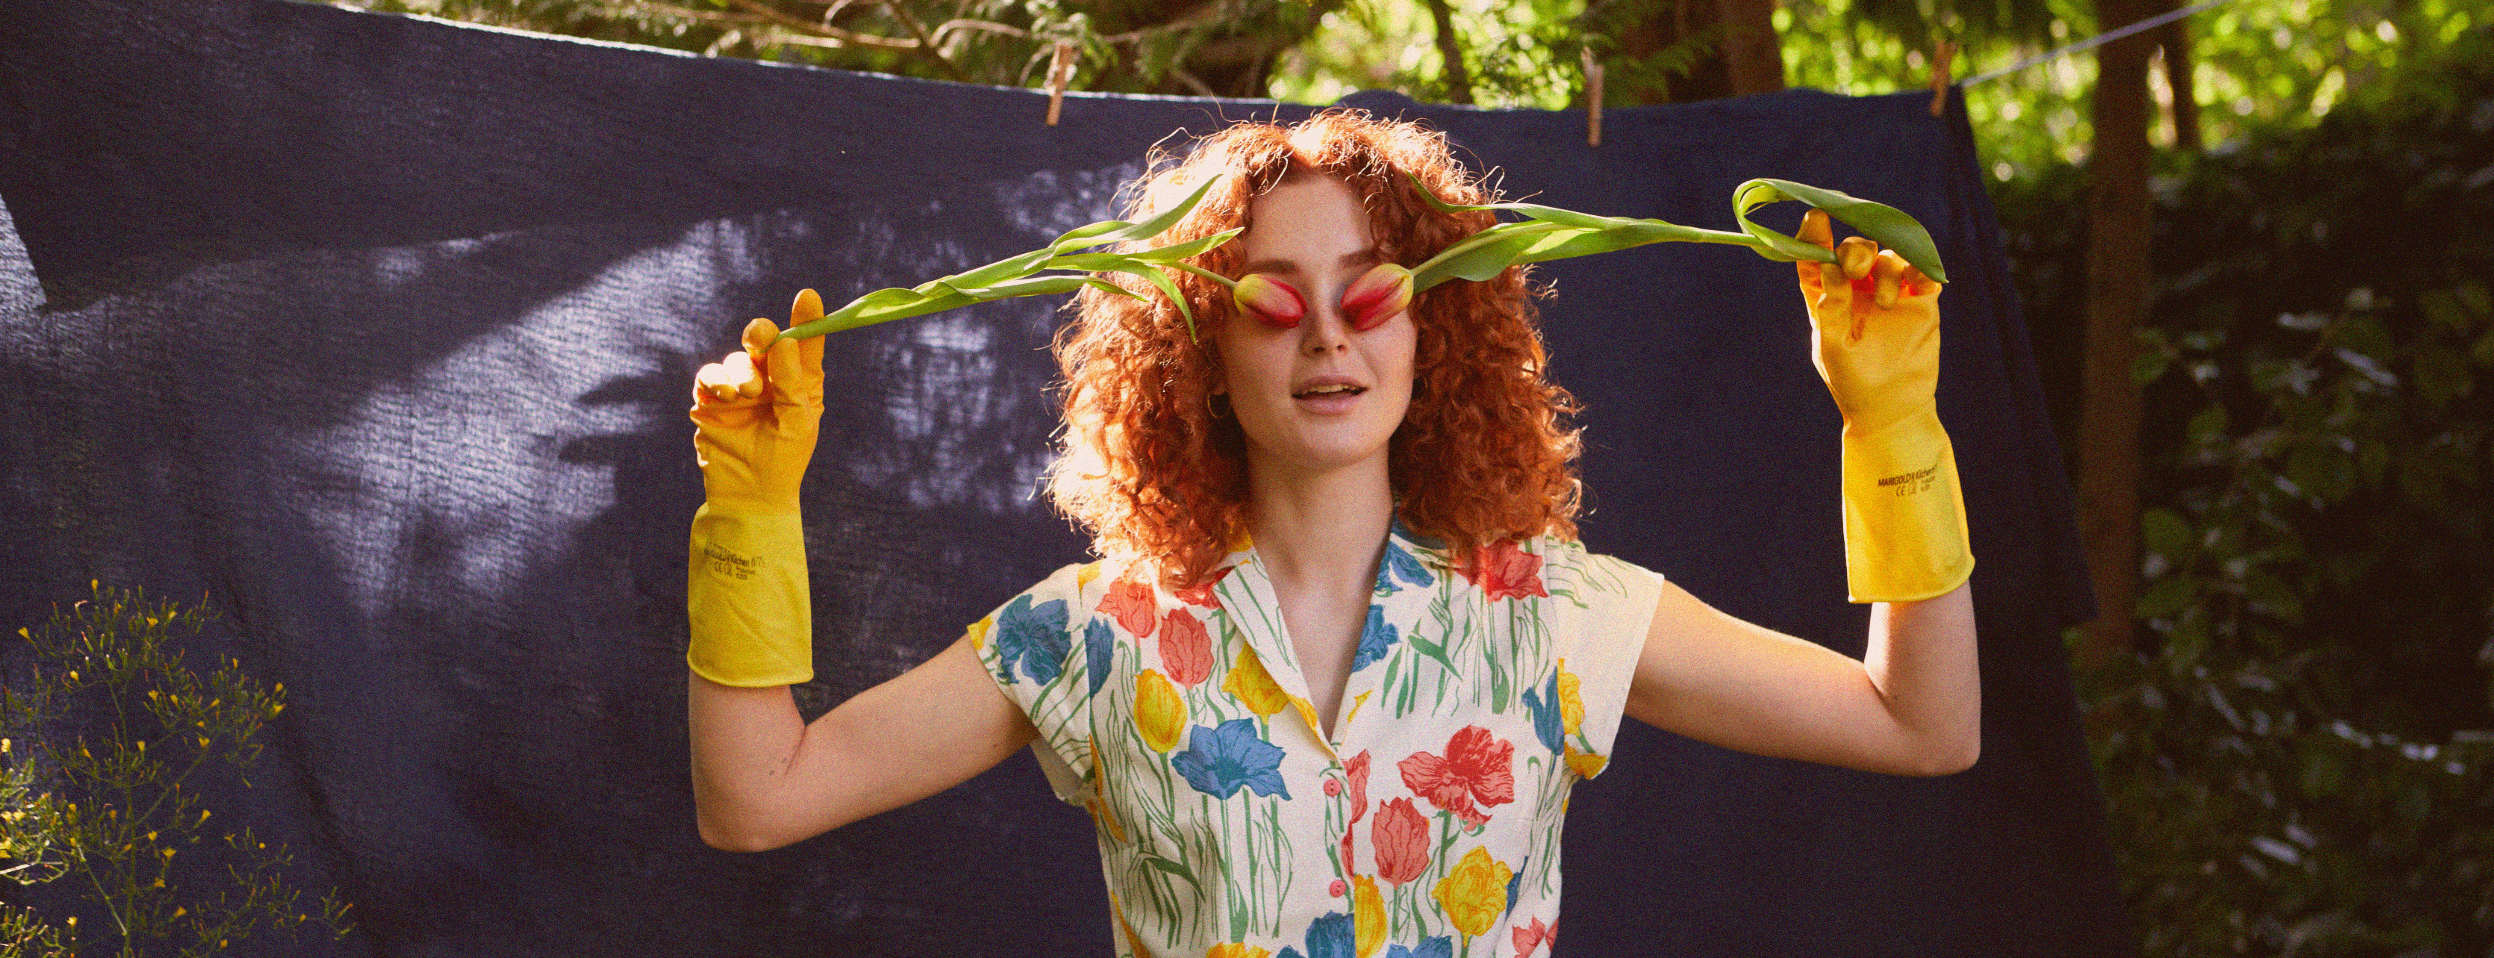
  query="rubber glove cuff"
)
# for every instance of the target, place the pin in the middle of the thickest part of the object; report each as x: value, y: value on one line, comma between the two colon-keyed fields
x: 752, y: 615
x: 1905, y: 517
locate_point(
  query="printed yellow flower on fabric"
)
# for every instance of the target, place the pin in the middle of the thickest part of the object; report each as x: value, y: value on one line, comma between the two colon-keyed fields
x: 1237, y: 951
x: 1254, y: 686
x: 978, y: 633
x: 1158, y: 711
x: 1133, y: 941
x: 1368, y: 915
x: 1475, y: 893
x: 1586, y: 764
x: 1571, y: 699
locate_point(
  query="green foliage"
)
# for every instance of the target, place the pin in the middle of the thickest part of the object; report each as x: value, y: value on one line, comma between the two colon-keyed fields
x: 2297, y: 762
x: 1121, y: 47
x: 111, y: 812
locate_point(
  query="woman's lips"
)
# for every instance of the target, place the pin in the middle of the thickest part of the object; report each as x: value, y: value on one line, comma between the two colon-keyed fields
x: 1329, y: 401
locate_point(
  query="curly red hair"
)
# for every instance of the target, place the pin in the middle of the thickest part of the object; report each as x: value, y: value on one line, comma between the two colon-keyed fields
x: 1486, y: 450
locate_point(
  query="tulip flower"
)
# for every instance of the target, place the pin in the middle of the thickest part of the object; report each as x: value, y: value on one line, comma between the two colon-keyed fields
x: 1386, y: 289
x: 1547, y: 233
x: 1271, y: 301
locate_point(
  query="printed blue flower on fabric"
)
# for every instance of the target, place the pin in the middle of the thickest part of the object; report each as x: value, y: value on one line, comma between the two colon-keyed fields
x: 1440, y: 947
x: 1097, y: 642
x: 1328, y: 937
x: 1515, y: 880
x: 1400, y: 566
x: 1543, y: 703
x: 1035, y: 637
x: 1376, y: 638
x: 1219, y: 761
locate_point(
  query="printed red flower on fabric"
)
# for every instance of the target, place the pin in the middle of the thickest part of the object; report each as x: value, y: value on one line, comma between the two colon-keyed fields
x: 1130, y: 603
x: 1347, y: 867
x: 1201, y: 594
x: 1535, y: 935
x: 1478, y: 767
x: 1504, y: 570
x: 1356, y: 769
x: 1401, y: 837
x: 1185, y: 649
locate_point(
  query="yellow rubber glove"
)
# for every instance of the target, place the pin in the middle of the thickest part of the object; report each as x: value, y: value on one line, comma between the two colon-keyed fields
x: 755, y: 413
x: 1875, y: 337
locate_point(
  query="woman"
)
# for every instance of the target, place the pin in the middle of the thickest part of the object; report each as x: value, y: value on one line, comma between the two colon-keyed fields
x: 1342, y: 660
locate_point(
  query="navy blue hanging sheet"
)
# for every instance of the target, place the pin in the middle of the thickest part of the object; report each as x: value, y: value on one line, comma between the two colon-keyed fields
x: 378, y: 333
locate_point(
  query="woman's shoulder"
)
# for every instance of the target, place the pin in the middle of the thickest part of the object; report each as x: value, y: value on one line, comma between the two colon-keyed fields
x: 1569, y: 565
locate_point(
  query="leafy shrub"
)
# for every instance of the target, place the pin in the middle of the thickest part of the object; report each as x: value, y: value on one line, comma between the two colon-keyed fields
x: 2295, y: 760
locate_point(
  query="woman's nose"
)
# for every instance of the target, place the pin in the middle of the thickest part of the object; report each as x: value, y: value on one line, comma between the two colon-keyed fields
x: 1324, y: 328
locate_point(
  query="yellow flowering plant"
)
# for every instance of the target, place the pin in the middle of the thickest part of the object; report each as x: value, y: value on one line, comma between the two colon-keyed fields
x: 116, y: 809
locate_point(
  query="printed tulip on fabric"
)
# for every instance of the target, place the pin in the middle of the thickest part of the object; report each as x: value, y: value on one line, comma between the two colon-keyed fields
x: 1474, y: 895
x: 1271, y: 301
x: 1401, y: 838
x: 1368, y: 915
x: 1185, y: 648
x: 1130, y: 603
x: 1254, y: 687
x: 1329, y: 936
x: 1220, y: 761
x: 1543, y: 704
x: 1032, y: 638
x: 1504, y: 570
x: 1477, y: 767
x: 1398, y: 569
x: 1099, y: 642
x: 1437, y: 947
x: 1530, y: 938
x: 1158, y: 711
x: 1376, y: 639
x: 1355, y: 770
x: 1571, y: 701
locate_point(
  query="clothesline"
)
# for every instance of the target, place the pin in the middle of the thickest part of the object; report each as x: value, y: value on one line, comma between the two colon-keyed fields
x: 2097, y: 40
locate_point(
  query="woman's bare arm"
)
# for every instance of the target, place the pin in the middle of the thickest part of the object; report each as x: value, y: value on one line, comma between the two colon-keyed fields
x: 764, y: 779
x: 1912, y: 706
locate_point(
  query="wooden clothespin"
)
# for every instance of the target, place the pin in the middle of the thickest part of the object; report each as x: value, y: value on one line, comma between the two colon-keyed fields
x: 1060, y: 72
x: 1940, y: 77
x: 1593, y: 98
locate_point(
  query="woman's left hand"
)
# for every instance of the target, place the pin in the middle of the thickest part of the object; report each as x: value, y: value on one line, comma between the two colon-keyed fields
x: 1874, y: 328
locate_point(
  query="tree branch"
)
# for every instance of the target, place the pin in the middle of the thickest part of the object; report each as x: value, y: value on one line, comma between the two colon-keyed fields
x: 920, y: 31
x: 1458, y: 82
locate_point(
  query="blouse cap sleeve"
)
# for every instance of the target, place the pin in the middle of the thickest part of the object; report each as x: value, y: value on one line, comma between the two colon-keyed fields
x: 1600, y: 635
x: 1033, y: 647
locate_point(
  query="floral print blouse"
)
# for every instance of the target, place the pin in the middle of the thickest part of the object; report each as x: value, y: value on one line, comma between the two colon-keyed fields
x: 1483, y: 688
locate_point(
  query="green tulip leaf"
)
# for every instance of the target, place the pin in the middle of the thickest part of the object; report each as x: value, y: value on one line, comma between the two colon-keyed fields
x: 1888, y: 226
x: 1571, y: 233
x: 1013, y: 276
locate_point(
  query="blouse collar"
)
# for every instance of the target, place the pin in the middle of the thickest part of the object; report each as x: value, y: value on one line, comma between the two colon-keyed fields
x: 1428, y: 550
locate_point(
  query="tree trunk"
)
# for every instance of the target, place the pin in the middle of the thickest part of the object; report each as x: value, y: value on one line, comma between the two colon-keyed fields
x: 1729, y: 48
x: 2117, y: 304
x: 2175, y: 39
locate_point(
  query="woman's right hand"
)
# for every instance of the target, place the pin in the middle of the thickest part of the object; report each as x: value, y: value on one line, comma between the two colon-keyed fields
x: 757, y: 412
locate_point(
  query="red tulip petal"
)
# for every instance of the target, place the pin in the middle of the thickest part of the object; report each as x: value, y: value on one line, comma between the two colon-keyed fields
x: 1269, y: 300
x: 1386, y: 289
